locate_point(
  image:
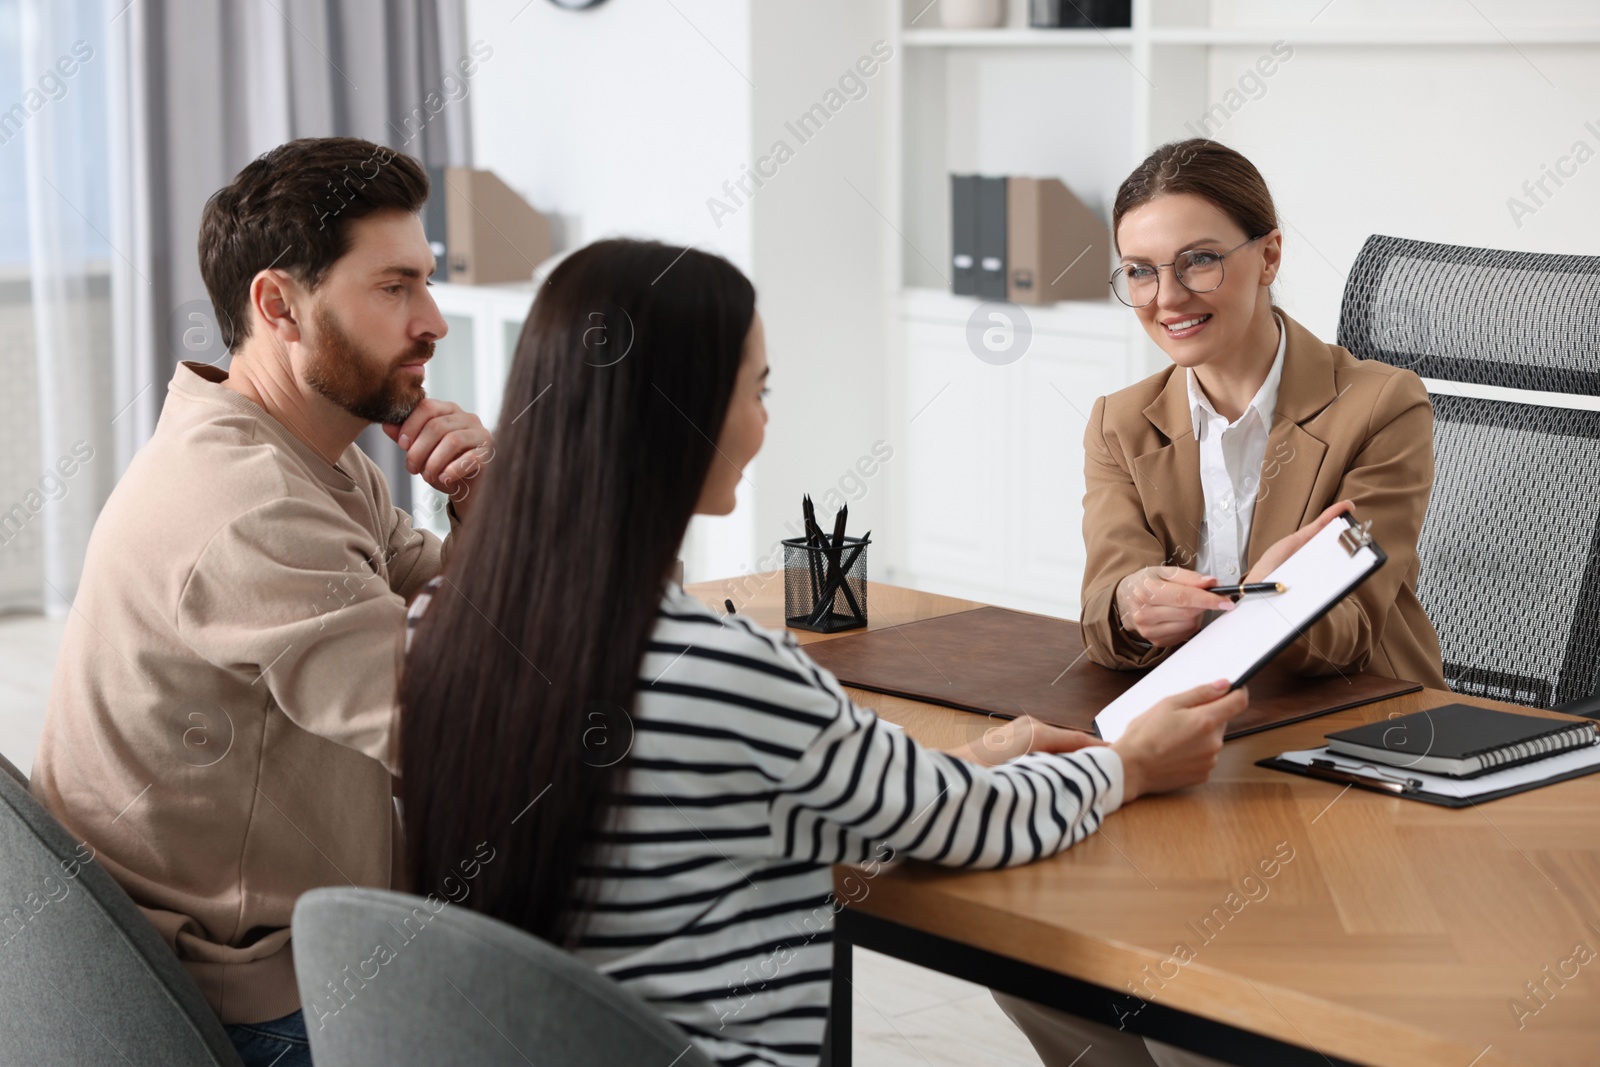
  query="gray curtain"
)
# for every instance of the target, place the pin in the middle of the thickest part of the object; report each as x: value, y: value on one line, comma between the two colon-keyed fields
x: 199, y: 88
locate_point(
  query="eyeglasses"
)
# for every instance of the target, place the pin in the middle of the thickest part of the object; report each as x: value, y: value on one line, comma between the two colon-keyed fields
x: 1199, y: 270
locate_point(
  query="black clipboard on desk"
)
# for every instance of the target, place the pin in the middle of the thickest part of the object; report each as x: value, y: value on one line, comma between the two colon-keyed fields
x: 1437, y: 788
x: 1237, y: 645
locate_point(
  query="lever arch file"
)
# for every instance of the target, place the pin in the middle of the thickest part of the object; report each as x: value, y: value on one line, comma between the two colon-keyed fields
x: 991, y: 273
x: 964, y: 234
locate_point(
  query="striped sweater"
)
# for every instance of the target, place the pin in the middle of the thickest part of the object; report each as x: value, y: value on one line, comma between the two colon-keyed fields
x: 750, y: 773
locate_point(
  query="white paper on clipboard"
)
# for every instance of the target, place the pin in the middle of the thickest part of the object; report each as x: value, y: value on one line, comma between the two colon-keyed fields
x: 1235, y: 645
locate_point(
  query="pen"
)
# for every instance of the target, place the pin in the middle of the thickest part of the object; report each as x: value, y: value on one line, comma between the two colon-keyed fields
x: 834, y: 570
x: 1322, y: 768
x: 813, y: 540
x: 1252, y: 589
x: 837, y: 582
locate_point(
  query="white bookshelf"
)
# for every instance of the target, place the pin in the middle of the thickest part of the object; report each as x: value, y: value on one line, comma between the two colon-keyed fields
x: 1368, y: 36
x: 1015, y: 37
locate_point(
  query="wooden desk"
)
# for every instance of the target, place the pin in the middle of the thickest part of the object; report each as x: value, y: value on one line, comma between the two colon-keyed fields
x: 1399, y: 933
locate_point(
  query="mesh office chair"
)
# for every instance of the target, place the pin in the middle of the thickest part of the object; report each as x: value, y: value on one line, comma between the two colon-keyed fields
x: 84, y: 977
x: 1511, y: 545
x: 384, y: 979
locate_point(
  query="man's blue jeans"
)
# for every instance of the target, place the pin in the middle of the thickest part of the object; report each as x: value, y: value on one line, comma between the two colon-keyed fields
x: 279, y: 1043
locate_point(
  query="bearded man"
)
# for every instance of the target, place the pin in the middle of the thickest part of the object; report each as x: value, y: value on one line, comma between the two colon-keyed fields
x: 220, y: 720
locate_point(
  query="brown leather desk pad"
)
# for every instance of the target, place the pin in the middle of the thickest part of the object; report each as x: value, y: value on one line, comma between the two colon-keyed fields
x: 1009, y: 663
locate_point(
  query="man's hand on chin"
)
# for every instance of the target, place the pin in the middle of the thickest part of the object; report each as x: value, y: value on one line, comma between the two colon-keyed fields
x: 449, y: 447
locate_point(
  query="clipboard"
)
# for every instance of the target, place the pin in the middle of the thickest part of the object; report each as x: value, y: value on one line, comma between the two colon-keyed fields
x: 1238, y: 644
x: 1437, y: 788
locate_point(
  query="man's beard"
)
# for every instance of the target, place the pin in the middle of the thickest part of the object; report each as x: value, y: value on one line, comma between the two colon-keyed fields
x: 345, y: 374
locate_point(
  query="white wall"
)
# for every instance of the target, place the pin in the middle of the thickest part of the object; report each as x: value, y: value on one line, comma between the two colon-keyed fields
x: 632, y: 118
x: 623, y: 120
x: 821, y: 245
x: 626, y: 116
x: 1424, y: 142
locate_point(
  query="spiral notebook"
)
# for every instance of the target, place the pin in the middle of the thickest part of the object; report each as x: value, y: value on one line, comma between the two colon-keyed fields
x: 1461, y: 740
x: 1240, y: 643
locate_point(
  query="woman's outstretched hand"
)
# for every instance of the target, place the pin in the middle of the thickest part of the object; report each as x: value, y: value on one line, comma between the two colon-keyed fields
x: 1175, y: 744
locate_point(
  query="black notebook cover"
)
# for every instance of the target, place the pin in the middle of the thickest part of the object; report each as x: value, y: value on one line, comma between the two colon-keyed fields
x: 1454, y: 731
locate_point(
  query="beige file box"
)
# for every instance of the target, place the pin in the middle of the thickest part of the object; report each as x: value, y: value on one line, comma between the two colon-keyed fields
x: 493, y: 235
x: 1056, y: 248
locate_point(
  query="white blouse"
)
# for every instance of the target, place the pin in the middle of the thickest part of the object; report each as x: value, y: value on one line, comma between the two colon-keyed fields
x: 1231, y: 455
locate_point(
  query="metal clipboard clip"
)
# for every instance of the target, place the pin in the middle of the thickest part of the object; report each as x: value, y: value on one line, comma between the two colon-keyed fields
x: 1357, y: 537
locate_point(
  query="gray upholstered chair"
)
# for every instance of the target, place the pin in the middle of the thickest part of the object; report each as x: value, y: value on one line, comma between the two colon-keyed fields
x: 1507, y: 342
x: 384, y: 979
x: 84, y: 977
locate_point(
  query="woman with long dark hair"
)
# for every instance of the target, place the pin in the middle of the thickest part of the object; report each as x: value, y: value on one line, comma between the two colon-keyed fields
x: 664, y: 788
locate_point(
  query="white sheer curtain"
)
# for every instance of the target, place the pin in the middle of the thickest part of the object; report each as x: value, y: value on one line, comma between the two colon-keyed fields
x: 58, y: 122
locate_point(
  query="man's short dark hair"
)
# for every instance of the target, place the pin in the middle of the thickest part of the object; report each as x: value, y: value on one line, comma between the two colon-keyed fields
x: 292, y: 209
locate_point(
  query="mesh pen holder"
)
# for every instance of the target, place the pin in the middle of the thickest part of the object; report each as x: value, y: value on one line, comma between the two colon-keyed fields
x: 814, y: 597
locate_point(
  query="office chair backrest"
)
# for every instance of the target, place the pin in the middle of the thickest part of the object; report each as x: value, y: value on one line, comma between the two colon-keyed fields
x: 398, y: 980
x: 1511, y: 544
x: 84, y: 977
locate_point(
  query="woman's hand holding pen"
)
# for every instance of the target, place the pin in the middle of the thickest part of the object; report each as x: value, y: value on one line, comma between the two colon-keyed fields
x: 1166, y: 605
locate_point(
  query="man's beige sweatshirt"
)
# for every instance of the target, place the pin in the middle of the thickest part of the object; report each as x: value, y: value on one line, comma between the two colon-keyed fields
x: 219, y: 725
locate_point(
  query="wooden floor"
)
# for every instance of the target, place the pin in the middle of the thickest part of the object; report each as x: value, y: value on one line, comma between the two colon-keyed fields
x: 904, y: 1015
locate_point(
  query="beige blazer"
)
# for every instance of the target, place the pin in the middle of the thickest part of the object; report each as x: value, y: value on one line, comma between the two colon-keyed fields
x: 1343, y: 428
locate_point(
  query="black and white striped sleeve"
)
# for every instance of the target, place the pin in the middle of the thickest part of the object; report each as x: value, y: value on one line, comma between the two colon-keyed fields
x: 861, y: 782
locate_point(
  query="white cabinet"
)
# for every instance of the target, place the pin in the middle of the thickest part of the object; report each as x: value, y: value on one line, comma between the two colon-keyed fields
x: 956, y: 450
x: 994, y: 453
x: 469, y: 366
x: 1056, y: 387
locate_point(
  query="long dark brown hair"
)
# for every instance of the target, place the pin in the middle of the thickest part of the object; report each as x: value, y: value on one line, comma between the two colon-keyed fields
x: 1208, y: 169
x: 515, y: 700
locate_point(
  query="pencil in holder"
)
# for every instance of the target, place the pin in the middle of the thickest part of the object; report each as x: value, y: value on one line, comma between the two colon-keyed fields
x: 825, y: 590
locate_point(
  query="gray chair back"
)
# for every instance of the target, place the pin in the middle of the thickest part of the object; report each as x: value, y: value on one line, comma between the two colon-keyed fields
x: 1510, y: 345
x: 84, y: 977
x: 385, y: 978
